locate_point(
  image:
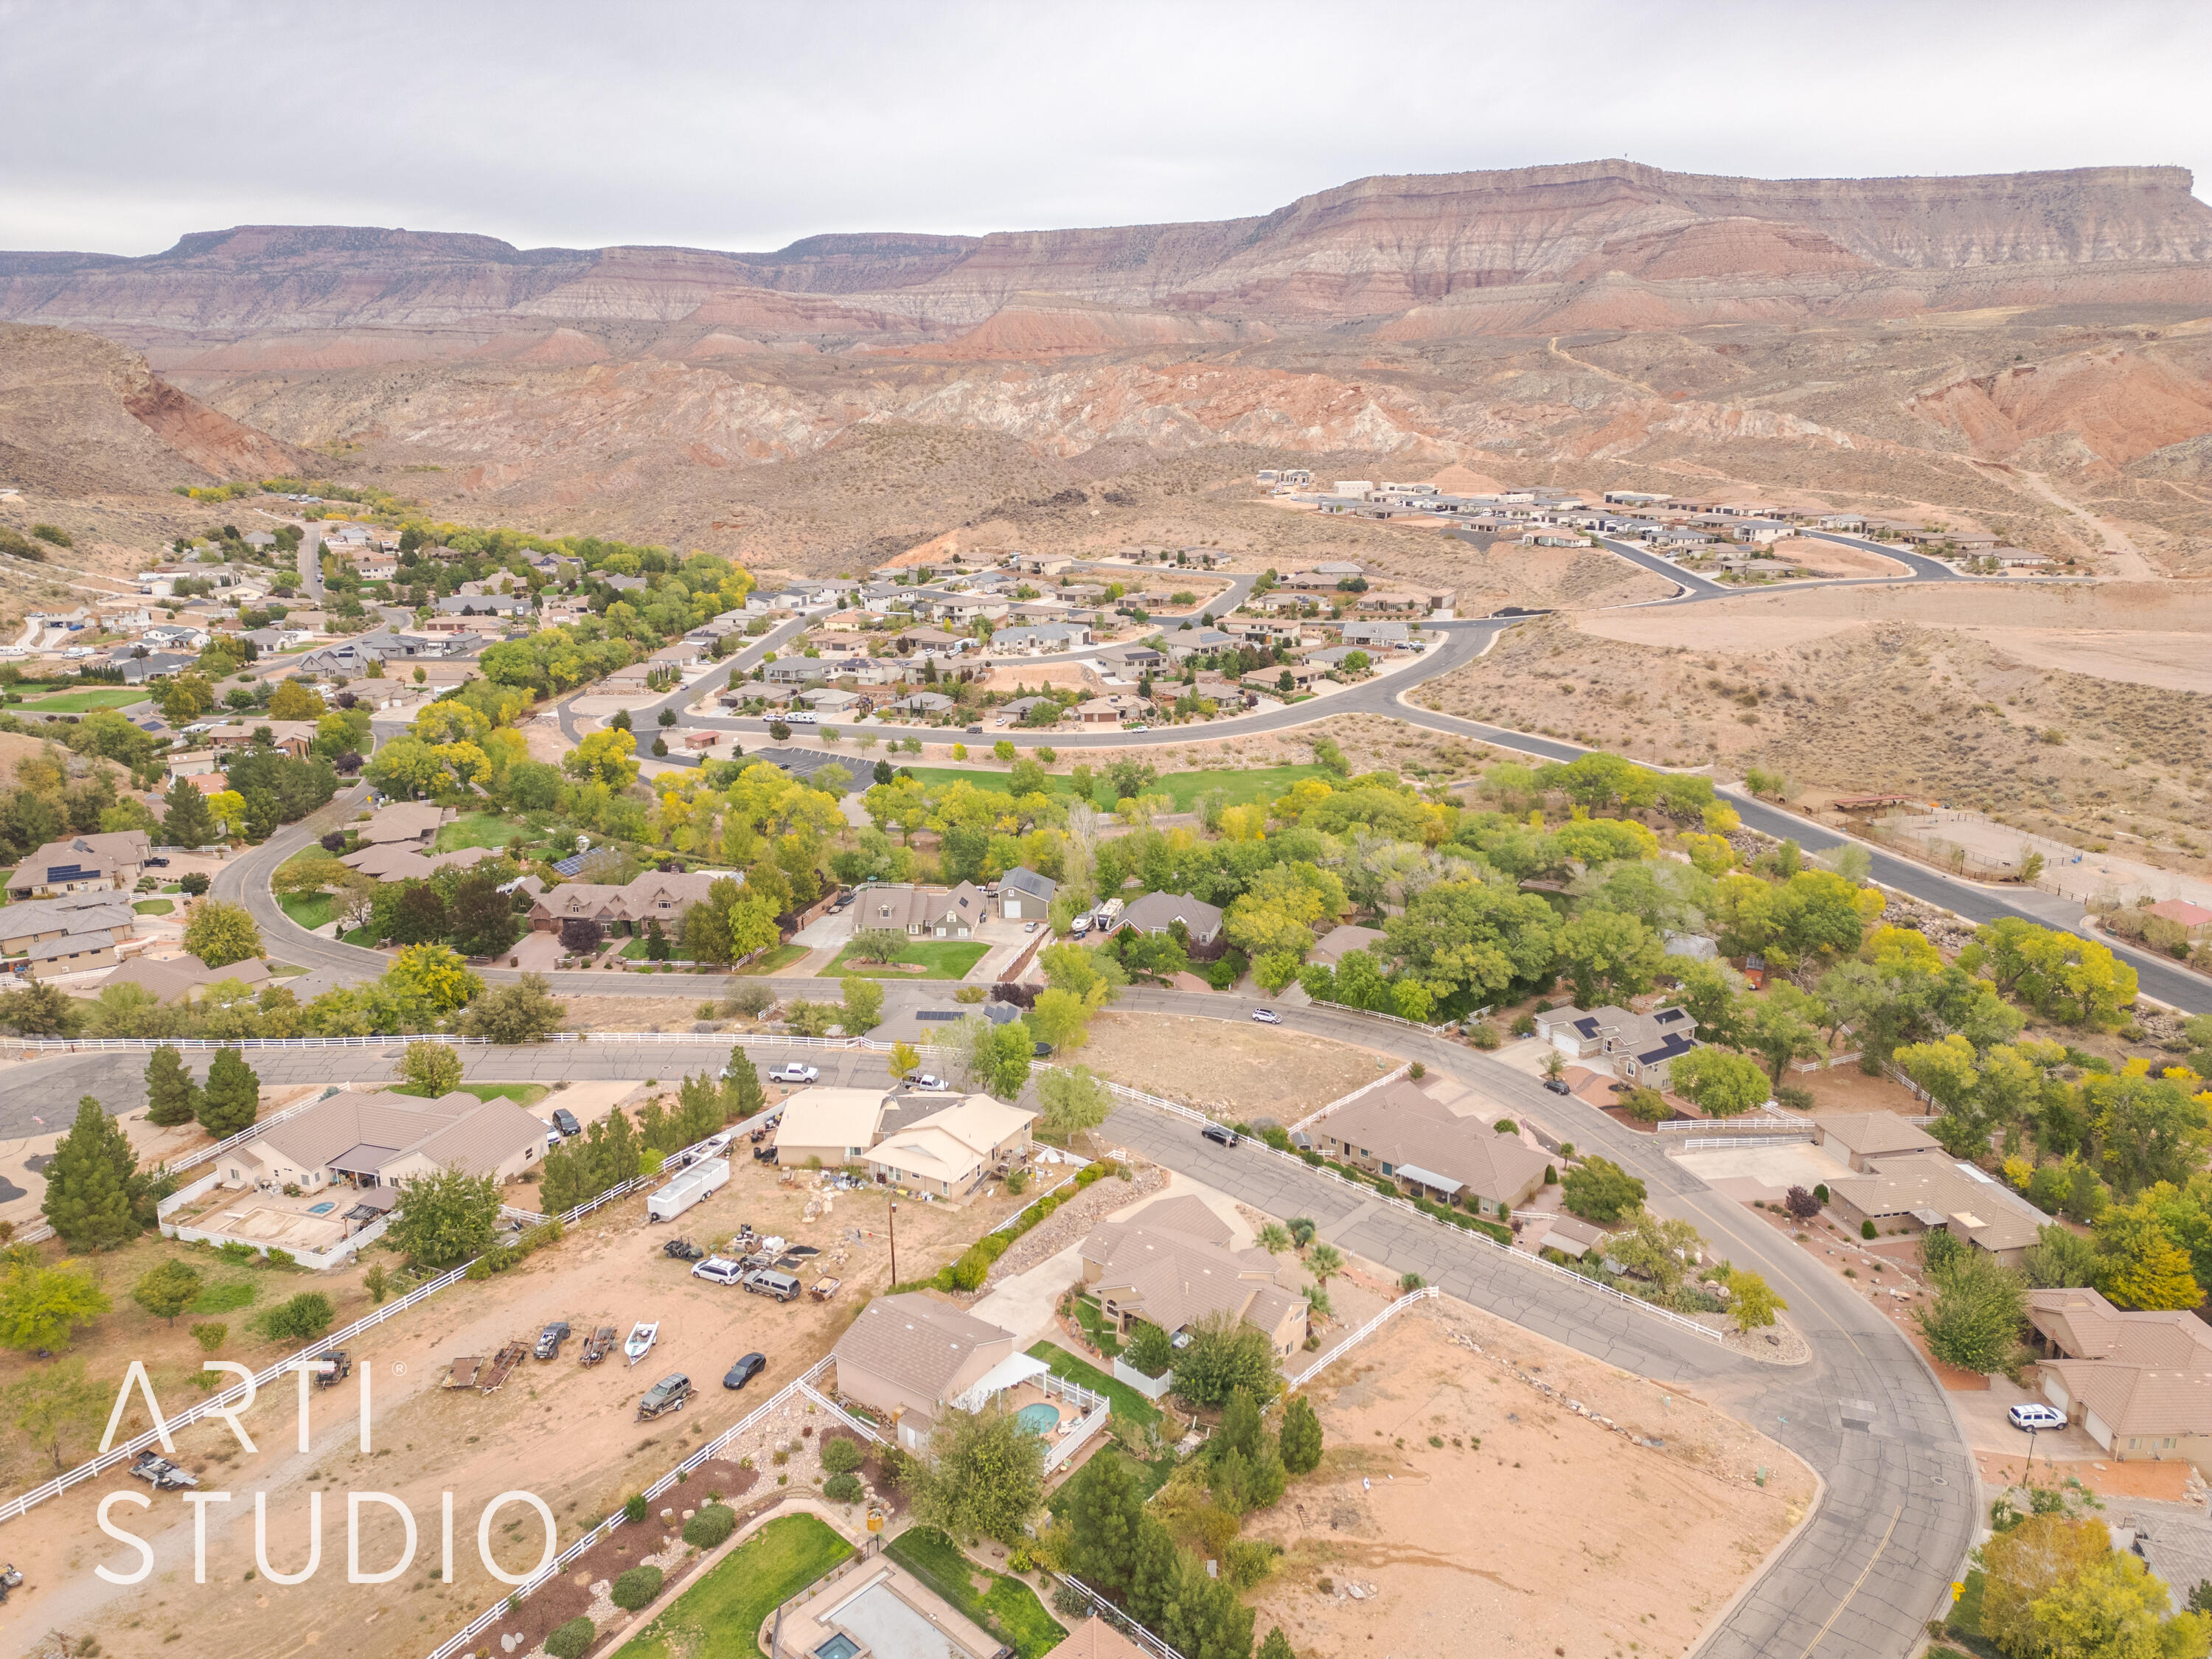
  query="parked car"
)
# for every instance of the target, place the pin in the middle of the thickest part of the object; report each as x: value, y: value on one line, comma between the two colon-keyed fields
x: 1266, y: 1017
x: 670, y: 1394
x: 2030, y: 1416
x: 925, y: 1081
x: 744, y: 1371
x: 766, y: 1282
x: 794, y: 1072
x: 565, y: 1122
x: 718, y: 1271
x: 974, y: 731
x: 1029, y: 927
x: 550, y: 1339
x: 1217, y: 1135
x: 552, y: 1136
x: 157, y: 864
x: 1557, y: 1086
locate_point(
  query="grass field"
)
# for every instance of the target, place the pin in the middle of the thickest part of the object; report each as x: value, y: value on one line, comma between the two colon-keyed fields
x: 224, y: 1295
x: 775, y: 961
x: 309, y: 909
x: 939, y: 958
x: 1148, y: 1477
x: 718, y: 1618
x: 1009, y: 1608
x: 155, y: 907
x: 1241, y: 786
x: 1126, y: 1401
x: 478, y: 829
x: 92, y: 697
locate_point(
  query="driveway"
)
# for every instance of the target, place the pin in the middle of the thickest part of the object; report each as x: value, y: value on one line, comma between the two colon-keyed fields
x: 536, y: 953
x: 832, y: 927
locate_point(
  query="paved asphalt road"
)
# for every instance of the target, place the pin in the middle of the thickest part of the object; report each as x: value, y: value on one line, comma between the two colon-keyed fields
x: 1900, y: 1501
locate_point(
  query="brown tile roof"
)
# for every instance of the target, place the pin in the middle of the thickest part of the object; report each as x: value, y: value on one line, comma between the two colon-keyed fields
x: 2138, y: 1400
x: 915, y: 1341
x: 169, y: 980
x: 1174, y: 1278
x: 1933, y: 1188
x: 1403, y: 1124
x: 1870, y: 1134
x: 378, y: 1129
x: 406, y: 820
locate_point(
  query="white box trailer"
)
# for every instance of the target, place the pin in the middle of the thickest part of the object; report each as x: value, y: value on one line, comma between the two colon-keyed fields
x: 710, y: 1176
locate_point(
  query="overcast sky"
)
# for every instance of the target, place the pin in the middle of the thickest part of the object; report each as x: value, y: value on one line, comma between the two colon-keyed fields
x: 581, y: 123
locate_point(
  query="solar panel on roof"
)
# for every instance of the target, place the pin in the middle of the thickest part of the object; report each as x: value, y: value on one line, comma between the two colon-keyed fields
x: 69, y: 872
x: 568, y: 866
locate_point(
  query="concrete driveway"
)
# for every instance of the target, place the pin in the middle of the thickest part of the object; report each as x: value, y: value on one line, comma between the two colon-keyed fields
x: 536, y: 953
x: 832, y: 927
x: 1027, y: 1303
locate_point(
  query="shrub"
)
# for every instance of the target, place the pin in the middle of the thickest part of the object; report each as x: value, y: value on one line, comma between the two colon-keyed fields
x: 842, y: 1489
x: 636, y: 1589
x: 306, y: 1316
x: 1506, y: 1126
x: 1866, y: 1229
x: 1821, y: 1193
x: 1485, y: 1035
x: 211, y: 1336
x: 1551, y: 1175
x: 572, y: 1640
x: 841, y: 1455
x: 1417, y: 1071
x: 710, y: 1526
x: 1800, y: 1204
x: 634, y: 1508
x: 1525, y: 1025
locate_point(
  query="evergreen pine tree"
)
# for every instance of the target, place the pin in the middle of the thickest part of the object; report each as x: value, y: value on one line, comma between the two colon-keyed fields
x: 1241, y: 1429
x: 171, y: 1096
x: 1105, y: 1517
x: 1300, y: 1437
x: 88, y: 1184
x: 232, y: 1099
x: 1155, y: 1563
x: 743, y: 1085
x: 187, y: 822
x: 614, y: 1158
x: 561, y: 1185
x: 1277, y: 1646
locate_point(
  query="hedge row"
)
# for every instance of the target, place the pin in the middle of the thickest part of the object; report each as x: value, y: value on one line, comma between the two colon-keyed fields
x: 973, y: 1266
x: 1426, y: 1207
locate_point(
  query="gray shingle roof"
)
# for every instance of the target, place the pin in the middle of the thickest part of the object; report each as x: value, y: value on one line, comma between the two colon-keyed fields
x: 914, y: 1341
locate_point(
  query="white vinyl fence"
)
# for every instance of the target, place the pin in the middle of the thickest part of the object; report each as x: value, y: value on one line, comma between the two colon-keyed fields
x: 1377, y: 1196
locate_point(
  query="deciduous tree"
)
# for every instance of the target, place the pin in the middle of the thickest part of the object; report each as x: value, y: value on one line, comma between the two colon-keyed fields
x: 448, y: 1217
x: 985, y: 1476
x: 220, y: 933
x: 168, y: 1289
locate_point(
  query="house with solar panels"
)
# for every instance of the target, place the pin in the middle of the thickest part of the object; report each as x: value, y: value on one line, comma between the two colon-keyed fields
x: 82, y: 864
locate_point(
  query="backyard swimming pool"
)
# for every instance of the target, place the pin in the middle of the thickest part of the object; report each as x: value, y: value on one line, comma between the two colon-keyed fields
x: 320, y: 1209
x: 1041, y: 1417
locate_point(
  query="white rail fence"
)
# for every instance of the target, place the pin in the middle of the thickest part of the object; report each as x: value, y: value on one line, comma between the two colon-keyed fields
x: 1341, y: 1101
x: 1120, y: 1621
x: 18, y: 1507
x: 1349, y: 1343
x: 799, y: 1386
x: 1376, y: 1195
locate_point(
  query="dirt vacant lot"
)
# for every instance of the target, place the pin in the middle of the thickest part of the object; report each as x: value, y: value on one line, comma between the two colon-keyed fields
x: 1476, y: 1514
x: 1245, y: 1071
x: 565, y: 1432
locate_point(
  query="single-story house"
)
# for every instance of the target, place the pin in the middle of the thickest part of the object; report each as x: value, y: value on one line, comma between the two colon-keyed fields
x: 1025, y: 896
x: 1413, y: 1135
x: 653, y: 896
x: 2140, y: 1383
x: 389, y: 861
x: 1172, y: 1266
x: 908, y: 1357
x: 72, y: 953
x: 924, y: 702
x: 835, y: 1125
x: 1863, y: 1140
x: 1918, y: 1191
x: 948, y: 1151
x: 1636, y: 1048
x: 402, y: 823
x: 1158, y: 912
x: 109, y: 860
x: 385, y: 1139
x: 1106, y: 711
x: 185, y: 978
x: 922, y: 911
x: 1340, y: 941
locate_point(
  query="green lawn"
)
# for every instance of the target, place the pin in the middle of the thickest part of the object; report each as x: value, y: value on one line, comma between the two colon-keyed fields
x: 310, y: 911
x: 155, y: 907
x: 224, y: 1295
x: 1126, y: 1401
x: 478, y: 829
x: 719, y: 1617
x: 92, y: 697
x: 1241, y: 786
x: 775, y: 961
x: 1007, y: 1607
x: 1097, y: 1327
x: 1149, y: 1477
x: 939, y: 958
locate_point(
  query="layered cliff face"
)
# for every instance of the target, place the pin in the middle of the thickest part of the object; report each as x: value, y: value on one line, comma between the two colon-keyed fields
x: 1432, y: 252
x: 1882, y: 338
x: 80, y: 415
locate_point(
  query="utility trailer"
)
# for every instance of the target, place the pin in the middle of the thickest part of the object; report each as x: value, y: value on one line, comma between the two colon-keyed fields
x: 598, y: 1344
x: 709, y: 1174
